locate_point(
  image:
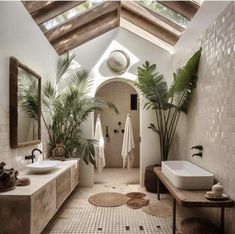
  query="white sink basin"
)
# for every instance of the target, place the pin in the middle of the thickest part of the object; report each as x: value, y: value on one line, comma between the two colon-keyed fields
x: 43, y: 166
x: 186, y: 175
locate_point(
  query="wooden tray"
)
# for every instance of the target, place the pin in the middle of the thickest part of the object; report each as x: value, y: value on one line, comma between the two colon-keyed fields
x: 224, y: 197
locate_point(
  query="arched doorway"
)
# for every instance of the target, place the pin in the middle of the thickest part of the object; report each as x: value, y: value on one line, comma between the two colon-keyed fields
x: 125, y: 97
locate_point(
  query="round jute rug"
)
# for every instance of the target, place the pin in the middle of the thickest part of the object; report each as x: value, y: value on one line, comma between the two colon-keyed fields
x: 108, y: 199
x: 137, y: 203
x: 159, y: 209
x: 136, y: 195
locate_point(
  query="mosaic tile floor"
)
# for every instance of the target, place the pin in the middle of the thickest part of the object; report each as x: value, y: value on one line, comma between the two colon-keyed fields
x: 112, y: 175
x: 77, y: 215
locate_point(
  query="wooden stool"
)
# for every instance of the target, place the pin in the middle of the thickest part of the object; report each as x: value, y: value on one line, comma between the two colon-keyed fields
x: 198, y: 226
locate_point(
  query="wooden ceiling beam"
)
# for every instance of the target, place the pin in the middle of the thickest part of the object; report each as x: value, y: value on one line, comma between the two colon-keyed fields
x: 92, y: 14
x: 149, y: 27
x: 164, y: 19
x: 145, y: 35
x: 150, y: 16
x: 56, y: 9
x: 185, y: 8
x: 34, y: 6
x: 43, y: 11
x: 86, y: 32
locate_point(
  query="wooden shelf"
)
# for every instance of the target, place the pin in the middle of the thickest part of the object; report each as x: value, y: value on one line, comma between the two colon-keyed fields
x: 190, y: 198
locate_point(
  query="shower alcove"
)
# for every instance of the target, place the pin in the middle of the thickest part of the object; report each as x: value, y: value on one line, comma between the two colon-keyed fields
x: 125, y: 97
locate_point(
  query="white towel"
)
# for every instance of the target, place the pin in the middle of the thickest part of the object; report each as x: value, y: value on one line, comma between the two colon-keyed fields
x: 99, y: 146
x: 128, y: 144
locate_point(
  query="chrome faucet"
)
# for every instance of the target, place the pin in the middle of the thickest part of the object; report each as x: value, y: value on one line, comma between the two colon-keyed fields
x: 32, y: 156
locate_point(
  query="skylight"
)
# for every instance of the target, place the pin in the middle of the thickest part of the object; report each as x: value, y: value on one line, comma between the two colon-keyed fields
x: 81, y: 8
x: 164, y: 11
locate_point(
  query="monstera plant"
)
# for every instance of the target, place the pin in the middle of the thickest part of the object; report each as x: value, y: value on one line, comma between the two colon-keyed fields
x: 168, y: 103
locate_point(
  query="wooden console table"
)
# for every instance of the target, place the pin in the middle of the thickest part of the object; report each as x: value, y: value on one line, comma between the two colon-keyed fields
x: 190, y: 198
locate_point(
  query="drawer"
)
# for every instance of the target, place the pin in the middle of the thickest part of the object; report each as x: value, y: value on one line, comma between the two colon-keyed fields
x: 63, y: 187
x: 43, y: 207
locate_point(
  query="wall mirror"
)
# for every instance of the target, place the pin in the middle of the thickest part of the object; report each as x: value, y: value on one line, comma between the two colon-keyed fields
x: 25, y: 105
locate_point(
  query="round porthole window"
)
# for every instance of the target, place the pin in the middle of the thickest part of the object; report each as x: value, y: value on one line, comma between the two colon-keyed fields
x: 118, y: 61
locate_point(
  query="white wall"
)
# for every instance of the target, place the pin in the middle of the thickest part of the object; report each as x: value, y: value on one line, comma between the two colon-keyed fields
x: 93, y: 55
x: 20, y: 37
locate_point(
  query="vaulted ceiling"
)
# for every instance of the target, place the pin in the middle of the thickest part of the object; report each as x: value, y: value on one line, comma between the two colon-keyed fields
x: 68, y: 24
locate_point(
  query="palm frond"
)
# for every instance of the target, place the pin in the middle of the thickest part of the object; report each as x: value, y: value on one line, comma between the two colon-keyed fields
x: 66, y: 105
x: 28, y: 94
x: 63, y: 65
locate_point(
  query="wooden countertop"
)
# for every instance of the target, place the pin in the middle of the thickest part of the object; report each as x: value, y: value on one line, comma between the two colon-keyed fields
x: 38, y: 180
x: 190, y: 198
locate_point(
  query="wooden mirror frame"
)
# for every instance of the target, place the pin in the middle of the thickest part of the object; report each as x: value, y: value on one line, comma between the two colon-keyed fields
x: 13, y: 98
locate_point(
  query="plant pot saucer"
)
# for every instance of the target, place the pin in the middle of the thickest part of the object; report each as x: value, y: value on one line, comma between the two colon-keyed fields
x: 7, y: 189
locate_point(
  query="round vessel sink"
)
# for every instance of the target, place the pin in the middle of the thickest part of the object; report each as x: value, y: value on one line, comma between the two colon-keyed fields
x: 43, y: 166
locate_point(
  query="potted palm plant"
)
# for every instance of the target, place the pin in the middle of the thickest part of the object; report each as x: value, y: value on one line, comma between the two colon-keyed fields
x: 66, y: 104
x: 168, y: 103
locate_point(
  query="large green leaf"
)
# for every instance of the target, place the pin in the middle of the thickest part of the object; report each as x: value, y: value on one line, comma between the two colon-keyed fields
x: 152, y: 85
x: 167, y: 104
x: 186, y: 75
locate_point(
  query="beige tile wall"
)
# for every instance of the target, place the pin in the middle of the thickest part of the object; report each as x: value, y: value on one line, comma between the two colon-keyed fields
x: 14, y: 157
x: 211, y: 119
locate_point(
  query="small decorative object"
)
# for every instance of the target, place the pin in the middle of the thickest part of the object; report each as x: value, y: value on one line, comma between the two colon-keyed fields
x: 8, y: 178
x: 23, y: 182
x: 118, y: 61
x: 216, y: 193
x: 210, y: 194
x: 59, y: 152
x: 218, y: 190
x: 137, y: 203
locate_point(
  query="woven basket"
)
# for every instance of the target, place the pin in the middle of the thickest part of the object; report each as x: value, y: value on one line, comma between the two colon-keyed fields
x: 150, y: 180
x: 58, y: 152
x: 198, y: 225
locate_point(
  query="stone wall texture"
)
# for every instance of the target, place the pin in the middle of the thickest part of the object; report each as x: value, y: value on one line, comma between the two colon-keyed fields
x: 15, y: 157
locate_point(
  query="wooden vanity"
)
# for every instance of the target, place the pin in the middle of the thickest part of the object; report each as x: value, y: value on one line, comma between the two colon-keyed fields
x: 28, y: 209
